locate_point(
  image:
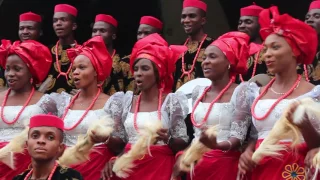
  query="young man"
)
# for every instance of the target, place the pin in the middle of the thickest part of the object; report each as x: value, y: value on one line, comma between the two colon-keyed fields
x: 106, y: 26
x: 313, y: 19
x: 193, y: 19
x: 249, y: 24
x: 148, y: 25
x: 64, y: 25
x: 45, y: 145
x: 30, y: 26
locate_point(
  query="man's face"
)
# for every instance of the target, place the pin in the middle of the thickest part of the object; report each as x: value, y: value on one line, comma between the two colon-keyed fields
x: 249, y: 25
x: 145, y: 30
x: 29, y: 30
x: 63, y: 24
x: 313, y: 19
x: 105, y: 30
x: 191, y: 20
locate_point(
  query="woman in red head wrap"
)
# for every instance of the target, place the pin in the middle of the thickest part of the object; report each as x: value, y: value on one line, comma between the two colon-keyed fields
x: 214, y: 105
x: 288, y: 42
x: 26, y: 64
x: 153, y: 63
x: 91, y: 66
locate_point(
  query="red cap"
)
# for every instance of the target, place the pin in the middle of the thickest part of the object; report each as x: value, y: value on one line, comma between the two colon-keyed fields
x: 252, y: 10
x: 195, y: 3
x: 314, y: 5
x: 152, y: 21
x: 107, y: 19
x: 30, y: 16
x: 46, y: 120
x: 66, y: 8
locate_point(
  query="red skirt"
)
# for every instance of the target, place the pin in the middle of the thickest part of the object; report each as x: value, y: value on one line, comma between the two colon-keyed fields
x: 92, y: 168
x: 217, y: 165
x: 157, y: 167
x: 22, y: 162
x: 290, y: 166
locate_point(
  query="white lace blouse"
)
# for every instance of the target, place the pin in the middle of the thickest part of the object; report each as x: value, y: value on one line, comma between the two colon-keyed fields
x: 173, y: 112
x: 7, y: 132
x: 113, y: 107
x: 222, y: 114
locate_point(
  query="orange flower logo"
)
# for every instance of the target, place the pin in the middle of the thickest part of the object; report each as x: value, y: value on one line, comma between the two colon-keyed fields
x: 293, y: 172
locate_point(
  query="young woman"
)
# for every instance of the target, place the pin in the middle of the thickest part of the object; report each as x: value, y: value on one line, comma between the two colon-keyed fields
x: 91, y: 65
x: 152, y: 63
x: 26, y: 64
x: 215, y: 105
x: 288, y: 42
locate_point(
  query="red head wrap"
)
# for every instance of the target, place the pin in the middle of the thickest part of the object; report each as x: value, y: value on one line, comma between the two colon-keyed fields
x: 30, y: 16
x: 96, y: 51
x: 156, y: 49
x: 314, y: 5
x: 67, y: 9
x: 152, y: 21
x: 252, y: 10
x: 46, y: 120
x: 235, y: 47
x: 107, y: 19
x: 301, y: 37
x: 37, y: 57
x: 195, y: 3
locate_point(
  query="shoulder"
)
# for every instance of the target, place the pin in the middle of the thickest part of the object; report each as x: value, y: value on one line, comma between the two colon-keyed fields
x: 69, y: 173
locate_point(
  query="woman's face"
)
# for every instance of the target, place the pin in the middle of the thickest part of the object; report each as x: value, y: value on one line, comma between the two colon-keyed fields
x: 17, y: 72
x: 215, y: 64
x: 84, y: 73
x: 144, y: 74
x: 278, y: 54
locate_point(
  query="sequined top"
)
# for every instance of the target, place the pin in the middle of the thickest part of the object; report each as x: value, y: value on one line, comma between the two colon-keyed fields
x: 7, y: 132
x: 173, y: 112
x: 113, y: 107
x: 222, y: 114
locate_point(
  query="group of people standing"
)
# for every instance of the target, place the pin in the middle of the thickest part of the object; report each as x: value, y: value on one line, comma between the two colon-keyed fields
x: 79, y: 83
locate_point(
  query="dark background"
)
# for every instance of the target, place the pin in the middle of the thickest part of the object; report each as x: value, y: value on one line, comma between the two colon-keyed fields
x: 127, y: 12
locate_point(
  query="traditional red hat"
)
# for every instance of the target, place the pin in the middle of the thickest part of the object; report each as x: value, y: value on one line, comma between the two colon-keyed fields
x: 107, y: 19
x: 37, y: 57
x: 195, y: 3
x: 152, y: 21
x: 314, y: 5
x: 66, y: 8
x: 156, y: 49
x: 96, y: 50
x: 30, y: 16
x: 252, y: 10
x: 235, y: 47
x: 46, y: 120
x: 301, y: 37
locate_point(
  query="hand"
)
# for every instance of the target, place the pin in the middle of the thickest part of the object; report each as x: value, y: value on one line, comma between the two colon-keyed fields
x: 308, y: 161
x: 304, y: 122
x: 163, y: 135
x: 245, y: 162
x: 107, y: 172
x: 98, y: 139
x: 209, y: 142
x: 176, y: 169
x: 74, y: 91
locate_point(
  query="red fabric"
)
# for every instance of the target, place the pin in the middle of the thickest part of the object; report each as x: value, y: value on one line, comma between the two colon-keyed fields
x: 92, y: 169
x: 274, y: 169
x: 158, y: 167
x: 302, y: 38
x: 152, y: 21
x: 156, y: 49
x: 235, y: 46
x: 252, y: 10
x: 22, y: 162
x: 107, y: 19
x: 30, y: 16
x: 46, y: 120
x: 37, y: 57
x: 195, y: 3
x: 66, y: 8
x: 314, y: 5
x: 254, y: 48
x: 96, y: 50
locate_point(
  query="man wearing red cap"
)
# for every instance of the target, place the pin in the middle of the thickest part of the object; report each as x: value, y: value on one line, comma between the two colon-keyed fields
x: 148, y: 25
x: 313, y: 19
x: 249, y: 24
x: 193, y: 19
x: 30, y: 26
x: 45, y: 145
x: 64, y: 25
x: 106, y: 26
